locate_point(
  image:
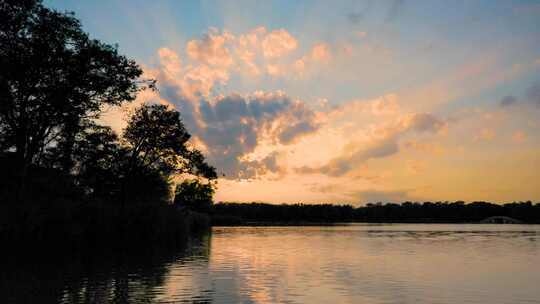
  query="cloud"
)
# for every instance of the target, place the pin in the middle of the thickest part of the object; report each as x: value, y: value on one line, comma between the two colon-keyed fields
x: 170, y: 62
x: 231, y: 127
x: 422, y: 122
x: 200, y: 80
x: 250, y: 169
x: 254, y: 53
x: 508, y: 101
x: 341, y: 165
x: 191, y: 81
x: 384, y: 105
x: 278, y: 43
x: 319, y: 54
x: 349, y: 161
x: 247, y: 49
x: 211, y: 49
x: 532, y: 96
x: 381, y: 142
x: 275, y: 70
x: 291, y: 132
x: 481, y: 73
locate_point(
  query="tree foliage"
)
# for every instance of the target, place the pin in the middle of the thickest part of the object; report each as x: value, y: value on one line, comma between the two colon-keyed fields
x: 54, y: 84
x: 158, y: 139
x: 194, y: 195
x: 53, y: 77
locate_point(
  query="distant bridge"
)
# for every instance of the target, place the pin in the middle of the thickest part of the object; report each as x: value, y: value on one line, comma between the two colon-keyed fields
x: 500, y: 220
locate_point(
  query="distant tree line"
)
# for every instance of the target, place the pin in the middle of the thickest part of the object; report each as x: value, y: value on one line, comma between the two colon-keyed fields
x: 427, y: 212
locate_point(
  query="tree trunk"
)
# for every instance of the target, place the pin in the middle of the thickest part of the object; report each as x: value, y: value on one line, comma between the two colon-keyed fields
x: 21, y: 167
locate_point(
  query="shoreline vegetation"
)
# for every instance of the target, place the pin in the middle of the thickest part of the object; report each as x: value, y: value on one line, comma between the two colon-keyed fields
x: 67, y: 179
x: 263, y: 214
x: 105, y: 224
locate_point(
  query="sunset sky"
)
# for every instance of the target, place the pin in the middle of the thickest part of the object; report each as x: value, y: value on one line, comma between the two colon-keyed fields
x: 343, y: 101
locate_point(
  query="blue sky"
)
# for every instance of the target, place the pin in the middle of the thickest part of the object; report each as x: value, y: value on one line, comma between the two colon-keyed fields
x: 405, y: 96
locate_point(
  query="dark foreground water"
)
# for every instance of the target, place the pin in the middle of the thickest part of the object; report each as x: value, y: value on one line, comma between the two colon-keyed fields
x: 400, y: 263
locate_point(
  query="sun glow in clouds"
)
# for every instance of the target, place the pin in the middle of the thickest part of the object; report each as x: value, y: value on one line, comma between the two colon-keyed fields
x: 350, y: 102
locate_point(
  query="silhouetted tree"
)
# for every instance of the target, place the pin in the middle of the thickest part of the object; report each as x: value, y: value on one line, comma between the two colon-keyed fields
x: 53, y: 77
x: 95, y: 158
x: 157, y: 140
x: 194, y: 195
x: 54, y: 83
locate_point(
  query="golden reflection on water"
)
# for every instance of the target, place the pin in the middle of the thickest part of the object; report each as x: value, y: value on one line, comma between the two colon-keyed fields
x: 363, y: 264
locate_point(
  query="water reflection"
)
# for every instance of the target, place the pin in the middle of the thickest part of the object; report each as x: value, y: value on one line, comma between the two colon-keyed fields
x: 340, y: 264
x: 137, y: 275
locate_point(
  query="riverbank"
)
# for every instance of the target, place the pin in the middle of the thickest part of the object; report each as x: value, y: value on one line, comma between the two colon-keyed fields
x: 90, y: 224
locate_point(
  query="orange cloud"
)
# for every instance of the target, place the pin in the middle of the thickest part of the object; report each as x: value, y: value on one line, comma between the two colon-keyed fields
x: 254, y: 53
x: 278, y: 43
x: 170, y: 61
x: 379, y: 142
x: 321, y: 53
x: 211, y: 49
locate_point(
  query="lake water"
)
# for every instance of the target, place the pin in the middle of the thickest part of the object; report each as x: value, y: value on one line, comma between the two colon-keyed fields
x: 358, y: 263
